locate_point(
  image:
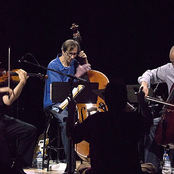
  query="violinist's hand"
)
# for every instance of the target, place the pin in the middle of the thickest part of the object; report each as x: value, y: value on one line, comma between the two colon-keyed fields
x: 82, y: 69
x: 6, y: 90
x: 145, y: 88
x: 22, y: 76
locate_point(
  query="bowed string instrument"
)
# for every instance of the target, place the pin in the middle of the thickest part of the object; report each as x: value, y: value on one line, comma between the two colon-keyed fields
x: 8, y: 76
x: 11, y: 75
x: 84, y: 110
x: 164, y: 134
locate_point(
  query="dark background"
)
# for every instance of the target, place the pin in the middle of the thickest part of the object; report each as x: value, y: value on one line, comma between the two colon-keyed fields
x: 121, y: 39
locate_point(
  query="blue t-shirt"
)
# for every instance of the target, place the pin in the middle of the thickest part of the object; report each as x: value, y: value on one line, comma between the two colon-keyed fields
x: 56, y: 65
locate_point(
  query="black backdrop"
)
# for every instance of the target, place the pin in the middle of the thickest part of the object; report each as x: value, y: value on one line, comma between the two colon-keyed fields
x: 121, y: 38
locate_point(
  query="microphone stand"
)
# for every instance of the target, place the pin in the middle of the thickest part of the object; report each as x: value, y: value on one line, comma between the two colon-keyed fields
x: 70, y: 161
x: 68, y: 75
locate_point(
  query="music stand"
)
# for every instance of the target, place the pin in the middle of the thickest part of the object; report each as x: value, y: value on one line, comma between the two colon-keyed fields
x: 99, y: 92
x: 87, y: 95
x: 131, y: 89
x: 60, y: 91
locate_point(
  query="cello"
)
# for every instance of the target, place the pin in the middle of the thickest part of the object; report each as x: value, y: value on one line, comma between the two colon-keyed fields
x: 164, y: 134
x: 84, y: 110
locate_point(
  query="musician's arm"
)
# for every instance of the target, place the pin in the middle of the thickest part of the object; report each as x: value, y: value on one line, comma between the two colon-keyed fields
x: 14, y: 94
x: 83, y: 57
x: 82, y: 69
x: 153, y: 76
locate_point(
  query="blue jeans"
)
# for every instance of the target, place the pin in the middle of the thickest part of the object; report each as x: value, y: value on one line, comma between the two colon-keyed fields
x: 62, y: 121
x: 151, y: 148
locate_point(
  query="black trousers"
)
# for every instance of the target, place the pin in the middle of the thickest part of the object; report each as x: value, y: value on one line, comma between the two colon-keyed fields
x: 26, y: 134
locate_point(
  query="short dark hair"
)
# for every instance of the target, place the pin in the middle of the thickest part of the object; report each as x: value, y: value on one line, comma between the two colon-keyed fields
x: 70, y: 43
x: 116, y: 95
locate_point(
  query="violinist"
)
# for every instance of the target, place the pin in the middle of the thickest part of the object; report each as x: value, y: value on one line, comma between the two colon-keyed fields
x: 66, y: 63
x: 161, y: 74
x: 15, y: 129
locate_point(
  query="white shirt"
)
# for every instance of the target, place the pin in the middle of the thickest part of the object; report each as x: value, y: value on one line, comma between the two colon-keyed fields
x: 161, y: 74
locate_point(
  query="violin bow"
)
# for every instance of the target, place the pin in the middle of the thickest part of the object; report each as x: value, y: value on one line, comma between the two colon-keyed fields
x: 9, y: 69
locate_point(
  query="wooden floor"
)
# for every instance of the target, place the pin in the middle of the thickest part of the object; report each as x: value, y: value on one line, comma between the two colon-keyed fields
x: 54, y: 169
x: 35, y: 171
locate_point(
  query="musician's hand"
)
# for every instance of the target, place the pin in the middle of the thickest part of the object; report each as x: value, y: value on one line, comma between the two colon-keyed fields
x: 22, y: 75
x: 82, y: 69
x: 6, y: 90
x: 82, y: 54
x: 145, y: 88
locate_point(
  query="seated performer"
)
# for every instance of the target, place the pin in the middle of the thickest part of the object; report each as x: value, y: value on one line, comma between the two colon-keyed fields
x: 113, y: 135
x: 14, y: 129
x: 161, y: 74
x: 66, y: 63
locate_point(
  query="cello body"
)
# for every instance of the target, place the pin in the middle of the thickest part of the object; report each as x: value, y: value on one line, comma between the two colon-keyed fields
x: 84, y: 110
x: 164, y: 134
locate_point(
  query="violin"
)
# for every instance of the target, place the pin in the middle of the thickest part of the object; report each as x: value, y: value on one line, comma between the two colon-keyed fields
x: 15, y: 78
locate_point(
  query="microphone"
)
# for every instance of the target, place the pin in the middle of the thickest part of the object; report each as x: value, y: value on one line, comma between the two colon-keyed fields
x: 22, y: 59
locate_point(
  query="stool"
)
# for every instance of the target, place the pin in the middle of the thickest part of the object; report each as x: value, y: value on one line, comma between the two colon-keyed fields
x: 49, y: 147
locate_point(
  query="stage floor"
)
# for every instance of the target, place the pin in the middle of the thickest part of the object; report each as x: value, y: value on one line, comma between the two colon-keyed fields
x: 54, y: 169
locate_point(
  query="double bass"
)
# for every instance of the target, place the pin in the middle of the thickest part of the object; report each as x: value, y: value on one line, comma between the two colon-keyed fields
x: 84, y: 110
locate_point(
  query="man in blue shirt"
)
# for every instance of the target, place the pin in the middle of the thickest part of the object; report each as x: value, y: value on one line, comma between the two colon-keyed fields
x: 66, y: 64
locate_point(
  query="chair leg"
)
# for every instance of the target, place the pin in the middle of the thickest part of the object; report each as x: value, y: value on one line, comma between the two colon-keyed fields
x: 49, y: 147
x: 47, y: 126
x: 44, y: 149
